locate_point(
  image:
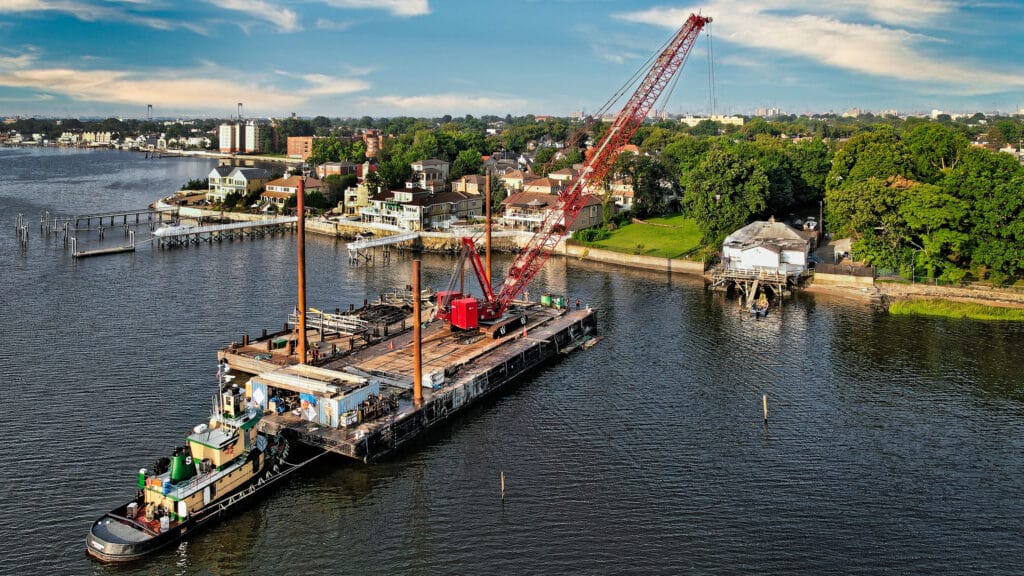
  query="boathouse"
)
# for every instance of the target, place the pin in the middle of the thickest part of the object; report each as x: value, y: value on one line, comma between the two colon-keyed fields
x: 764, y: 254
x: 770, y: 246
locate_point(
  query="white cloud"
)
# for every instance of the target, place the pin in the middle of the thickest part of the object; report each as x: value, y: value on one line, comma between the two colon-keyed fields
x: 339, y: 26
x: 449, y: 103
x: 90, y: 12
x: 789, y: 27
x: 198, y: 88
x: 324, y: 85
x: 396, y: 7
x: 284, y: 19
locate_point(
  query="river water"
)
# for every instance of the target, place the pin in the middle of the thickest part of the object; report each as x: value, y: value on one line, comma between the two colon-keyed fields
x: 894, y: 444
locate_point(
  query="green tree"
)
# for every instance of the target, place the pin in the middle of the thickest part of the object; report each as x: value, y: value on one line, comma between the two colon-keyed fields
x: 878, y: 154
x: 724, y: 192
x: 935, y: 225
x: 934, y: 148
x: 811, y: 161
x: 467, y: 162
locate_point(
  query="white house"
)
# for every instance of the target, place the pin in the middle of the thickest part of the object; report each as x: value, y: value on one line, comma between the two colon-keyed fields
x: 770, y: 246
x: 225, y: 180
x: 420, y: 209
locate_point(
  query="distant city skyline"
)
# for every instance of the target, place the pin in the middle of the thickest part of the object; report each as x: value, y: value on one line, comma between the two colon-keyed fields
x: 350, y: 58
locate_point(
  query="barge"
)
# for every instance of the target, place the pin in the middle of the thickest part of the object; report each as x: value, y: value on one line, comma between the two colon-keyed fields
x: 362, y: 405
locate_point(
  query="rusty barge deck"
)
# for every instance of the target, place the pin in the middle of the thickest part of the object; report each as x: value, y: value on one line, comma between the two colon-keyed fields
x: 358, y: 401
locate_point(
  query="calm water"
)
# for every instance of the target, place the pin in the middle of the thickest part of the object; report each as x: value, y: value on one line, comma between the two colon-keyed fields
x: 895, y: 444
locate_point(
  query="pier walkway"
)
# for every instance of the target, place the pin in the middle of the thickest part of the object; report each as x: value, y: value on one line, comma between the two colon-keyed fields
x: 173, y: 236
x: 356, y: 249
x: 123, y: 215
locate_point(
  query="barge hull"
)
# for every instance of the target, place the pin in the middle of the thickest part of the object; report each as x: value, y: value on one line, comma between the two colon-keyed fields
x: 494, y: 365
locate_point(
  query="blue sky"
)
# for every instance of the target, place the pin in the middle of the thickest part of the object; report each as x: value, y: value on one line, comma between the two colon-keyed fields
x: 434, y: 57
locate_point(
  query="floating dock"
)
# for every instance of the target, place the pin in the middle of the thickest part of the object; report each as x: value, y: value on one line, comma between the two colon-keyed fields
x: 103, y: 251
x: 359, y: 403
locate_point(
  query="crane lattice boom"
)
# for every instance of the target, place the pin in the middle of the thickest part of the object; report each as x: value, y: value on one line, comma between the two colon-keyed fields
x: 533, y: 256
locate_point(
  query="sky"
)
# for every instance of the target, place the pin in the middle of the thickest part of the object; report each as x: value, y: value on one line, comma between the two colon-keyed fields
x: 350, y: 58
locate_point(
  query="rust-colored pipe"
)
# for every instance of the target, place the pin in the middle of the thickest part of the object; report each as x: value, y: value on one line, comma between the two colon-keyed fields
x: 417, y: 338
x: 300, y: 228
x: 487, y: 226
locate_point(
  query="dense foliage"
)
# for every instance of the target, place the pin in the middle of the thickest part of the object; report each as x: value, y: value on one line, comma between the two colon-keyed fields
x: 926, y: 201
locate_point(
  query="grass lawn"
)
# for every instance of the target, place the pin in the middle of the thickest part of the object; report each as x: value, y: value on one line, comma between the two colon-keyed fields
x: 675, y: 237
x: 951, y: 309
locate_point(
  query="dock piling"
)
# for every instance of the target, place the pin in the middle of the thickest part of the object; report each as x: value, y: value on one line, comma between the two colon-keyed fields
x: 764, y: 400
x: 502, y: 485
x: 417, y: 338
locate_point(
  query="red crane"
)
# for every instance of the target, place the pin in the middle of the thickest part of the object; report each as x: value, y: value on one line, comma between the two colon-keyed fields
x: 467, y: 312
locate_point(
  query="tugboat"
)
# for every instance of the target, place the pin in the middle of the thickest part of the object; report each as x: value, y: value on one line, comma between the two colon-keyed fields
x: 222, y: 464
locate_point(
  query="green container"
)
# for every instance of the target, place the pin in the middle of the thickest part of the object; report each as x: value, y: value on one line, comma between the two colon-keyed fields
x: 558, y: 301
x: 545, y: 300
x: 182, y: 468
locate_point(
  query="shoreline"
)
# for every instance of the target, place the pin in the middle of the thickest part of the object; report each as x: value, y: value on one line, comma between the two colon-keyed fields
x: 876, y: 292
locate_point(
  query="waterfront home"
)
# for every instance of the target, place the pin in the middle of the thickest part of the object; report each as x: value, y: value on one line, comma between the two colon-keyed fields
x: 526, y: 211
x: 237, y: 180
x: 766, y: 247
x: 417, y: 210
x: 279, y: 191
x: 356, y: 197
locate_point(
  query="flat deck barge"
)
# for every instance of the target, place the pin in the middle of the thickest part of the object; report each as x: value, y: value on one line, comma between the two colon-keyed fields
x: 358, y: 401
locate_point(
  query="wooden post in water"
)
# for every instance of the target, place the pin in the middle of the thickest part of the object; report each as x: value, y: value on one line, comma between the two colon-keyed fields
x: 417, y: 338
x: 300, y: 228
x: 764, y: 400
x: 502, y: 485
x: 487, y: 226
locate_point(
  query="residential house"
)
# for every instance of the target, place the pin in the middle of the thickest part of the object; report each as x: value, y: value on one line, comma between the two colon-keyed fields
x: 69, y: 138
x: 336, y: 169
x: 771, y: 247
x: 356, y: 197
x: 542, y: 186
x: 622, y: 194
x: 513, y: 180
x: 240, y: 181
x: 527, y: 210
x: 421, y: 209
x: 565, y: 175
x: 429, y: 175
x: 279, y: 191
x: 96, y: 138
x: 470, y: 184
